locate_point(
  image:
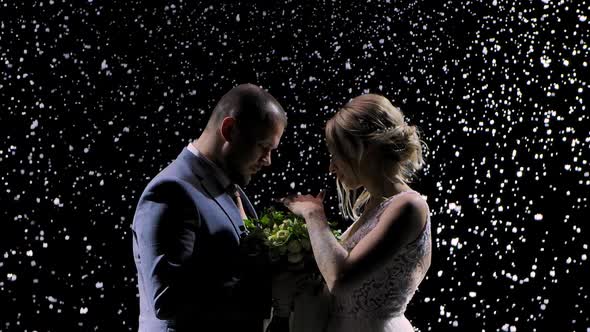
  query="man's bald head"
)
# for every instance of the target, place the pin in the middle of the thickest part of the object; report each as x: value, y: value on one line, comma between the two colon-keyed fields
x: 245, y: 127
x: 250, y: 105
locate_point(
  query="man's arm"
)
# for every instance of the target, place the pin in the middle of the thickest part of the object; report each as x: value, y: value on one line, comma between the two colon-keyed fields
x: 165, y: 241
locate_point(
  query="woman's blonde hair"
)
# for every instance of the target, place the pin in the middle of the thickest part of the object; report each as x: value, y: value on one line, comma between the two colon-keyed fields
x: 372, y: 119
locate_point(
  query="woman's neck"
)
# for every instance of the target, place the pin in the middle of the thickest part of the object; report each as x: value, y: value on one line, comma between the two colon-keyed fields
x: 386, y: 190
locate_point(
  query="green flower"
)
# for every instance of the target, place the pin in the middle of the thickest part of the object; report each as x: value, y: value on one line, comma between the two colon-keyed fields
x: 285, y: 237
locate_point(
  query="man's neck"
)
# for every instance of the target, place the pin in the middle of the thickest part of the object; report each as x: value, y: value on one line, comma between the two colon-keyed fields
x: 204, y: 144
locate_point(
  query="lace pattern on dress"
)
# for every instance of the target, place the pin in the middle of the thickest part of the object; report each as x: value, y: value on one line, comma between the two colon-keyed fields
x: 386, y: 290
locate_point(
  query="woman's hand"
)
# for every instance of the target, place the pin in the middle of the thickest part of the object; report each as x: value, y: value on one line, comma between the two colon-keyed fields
x: 305, y: 205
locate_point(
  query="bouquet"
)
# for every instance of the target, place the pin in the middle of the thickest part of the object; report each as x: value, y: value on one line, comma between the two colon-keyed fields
x: 283, y: 237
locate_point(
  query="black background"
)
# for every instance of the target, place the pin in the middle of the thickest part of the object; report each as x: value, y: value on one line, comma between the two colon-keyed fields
x: 98, y: 96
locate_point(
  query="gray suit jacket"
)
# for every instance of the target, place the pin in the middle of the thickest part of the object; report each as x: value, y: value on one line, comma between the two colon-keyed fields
x: 186, y: 236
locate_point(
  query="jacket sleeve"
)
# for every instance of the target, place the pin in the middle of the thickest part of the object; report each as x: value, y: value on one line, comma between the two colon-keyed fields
x: 165, y: 235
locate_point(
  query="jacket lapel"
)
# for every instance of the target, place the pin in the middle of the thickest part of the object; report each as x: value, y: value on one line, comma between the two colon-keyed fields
x: 214, y: 190
x: 225, y: 203
x: 248, y: 207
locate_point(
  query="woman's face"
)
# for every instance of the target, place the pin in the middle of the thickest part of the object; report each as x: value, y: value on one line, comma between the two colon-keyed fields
x: 343, y: 170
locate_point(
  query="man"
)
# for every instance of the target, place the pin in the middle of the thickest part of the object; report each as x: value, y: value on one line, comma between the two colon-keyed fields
x: 192, y: 274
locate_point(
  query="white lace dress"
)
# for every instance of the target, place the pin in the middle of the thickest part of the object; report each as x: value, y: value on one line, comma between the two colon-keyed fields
x: 377, y: 301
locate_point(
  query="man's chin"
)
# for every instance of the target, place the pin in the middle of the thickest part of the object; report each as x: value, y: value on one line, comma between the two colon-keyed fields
x: 238, y: 176
x: 243, y: 180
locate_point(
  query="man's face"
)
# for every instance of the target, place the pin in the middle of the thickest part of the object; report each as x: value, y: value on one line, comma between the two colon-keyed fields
x: 251, y: 150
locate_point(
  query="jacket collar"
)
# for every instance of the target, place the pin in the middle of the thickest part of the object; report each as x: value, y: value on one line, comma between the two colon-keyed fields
x: 210, y: 183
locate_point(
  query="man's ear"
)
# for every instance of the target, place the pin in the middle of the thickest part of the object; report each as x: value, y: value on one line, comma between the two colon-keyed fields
x: 228, y: 128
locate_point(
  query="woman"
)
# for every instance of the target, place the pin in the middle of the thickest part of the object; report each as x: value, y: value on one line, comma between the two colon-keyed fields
x: 373, y: 271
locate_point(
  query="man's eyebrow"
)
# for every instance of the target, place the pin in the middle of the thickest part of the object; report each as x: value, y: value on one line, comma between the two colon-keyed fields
x: 268, y: 144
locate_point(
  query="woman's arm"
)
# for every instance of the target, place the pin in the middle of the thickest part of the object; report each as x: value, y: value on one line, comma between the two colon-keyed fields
x: 400, y: 223
x: 329, y: 254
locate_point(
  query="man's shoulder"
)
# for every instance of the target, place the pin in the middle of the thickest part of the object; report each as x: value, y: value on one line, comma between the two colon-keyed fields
x: 179, y: 181
x: 180, y: 170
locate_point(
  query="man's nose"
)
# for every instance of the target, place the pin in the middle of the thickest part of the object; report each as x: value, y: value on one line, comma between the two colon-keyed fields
x: 266, y: 160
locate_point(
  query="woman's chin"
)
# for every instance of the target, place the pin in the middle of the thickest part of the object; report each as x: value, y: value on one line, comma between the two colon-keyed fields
x: 349, y: 186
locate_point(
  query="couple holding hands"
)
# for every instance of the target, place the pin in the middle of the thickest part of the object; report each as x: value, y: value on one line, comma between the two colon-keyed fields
x: 187, y: 228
